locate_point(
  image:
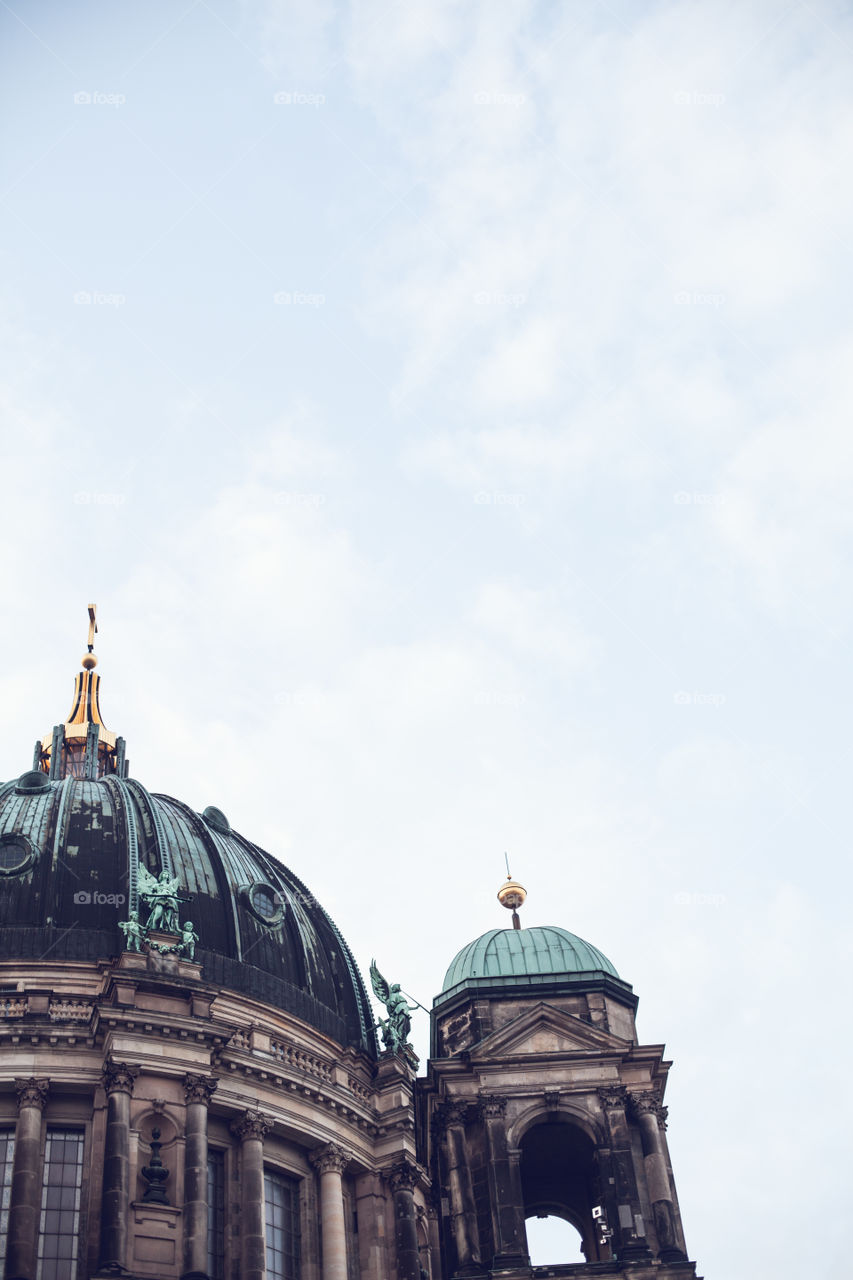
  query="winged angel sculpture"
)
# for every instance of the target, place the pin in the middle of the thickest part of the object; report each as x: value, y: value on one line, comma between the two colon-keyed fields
x: 161, y: 898
x: 396, y: 1027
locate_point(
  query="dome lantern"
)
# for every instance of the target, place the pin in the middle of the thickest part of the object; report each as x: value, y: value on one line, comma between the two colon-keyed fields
x: 82, y: 747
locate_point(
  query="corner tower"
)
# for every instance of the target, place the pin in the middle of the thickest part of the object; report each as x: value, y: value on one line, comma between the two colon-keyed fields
x: 541, y: 1101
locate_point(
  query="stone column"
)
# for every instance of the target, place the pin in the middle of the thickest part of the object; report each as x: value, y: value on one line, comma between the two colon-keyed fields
x: 434, y: 1236
x: 647, y: 1110
x: 463, y: 1208
x: 198, y: 1091
x: 251, y: 1129
x: 330, y: 1162
x: 505, y: 1199
x: 25, y: 1203
x: 664, y: 1146
x: 403, y: 1177
x: 370, y: 1206
x: 117, y: 1080
x: 629, y: 1241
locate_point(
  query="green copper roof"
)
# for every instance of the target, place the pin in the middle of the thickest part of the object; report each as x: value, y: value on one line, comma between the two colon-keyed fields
x: 544, y: 949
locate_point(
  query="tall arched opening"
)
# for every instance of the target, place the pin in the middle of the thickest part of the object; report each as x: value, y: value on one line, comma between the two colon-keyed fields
x: 559, y: 1179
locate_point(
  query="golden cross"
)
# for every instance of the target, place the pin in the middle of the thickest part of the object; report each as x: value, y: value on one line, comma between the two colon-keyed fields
x: 93, y: 626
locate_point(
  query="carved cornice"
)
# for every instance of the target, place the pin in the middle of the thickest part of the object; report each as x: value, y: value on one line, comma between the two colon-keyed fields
x: 251, y: 1125
x: 612, y: 1096
x: 32, y: 1092
x: 198, y: 1088
x: 403, y: 1176
x: 491, y: 1106
x: 329, y: 1159
x: 118, y: 1077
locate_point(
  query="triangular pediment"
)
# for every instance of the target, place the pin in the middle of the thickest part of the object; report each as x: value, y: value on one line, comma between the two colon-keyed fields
x: 543, y: 1029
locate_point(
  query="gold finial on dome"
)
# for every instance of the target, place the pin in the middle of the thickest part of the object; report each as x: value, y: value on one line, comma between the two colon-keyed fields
x: 512, y: 895
x: 89, y: 659
x: 82, y: 746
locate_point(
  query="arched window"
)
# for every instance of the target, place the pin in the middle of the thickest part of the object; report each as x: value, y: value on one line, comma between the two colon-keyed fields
x: 552, y: 1240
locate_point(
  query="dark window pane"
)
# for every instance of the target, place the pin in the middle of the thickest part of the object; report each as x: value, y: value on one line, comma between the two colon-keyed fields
x: 216, y: 1215
x: 281, y: 1196
x: 7, y: 1152
x: 59, y: 1228
x: 264, y: 903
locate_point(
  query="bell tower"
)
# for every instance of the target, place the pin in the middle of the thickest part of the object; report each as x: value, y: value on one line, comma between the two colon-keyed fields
x: 541, y: 1102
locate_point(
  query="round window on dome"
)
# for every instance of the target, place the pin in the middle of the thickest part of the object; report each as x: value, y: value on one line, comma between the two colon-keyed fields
x: 17, y: 855
x: 265, y: 903
x: 32, y: 783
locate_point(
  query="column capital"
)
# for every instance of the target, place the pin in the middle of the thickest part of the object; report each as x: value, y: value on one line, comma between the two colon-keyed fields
x: 32, y: 1092
x: 329, y: 1159
x: 404, y: 1175
x: 612, y: 1096
x: 199, y: 1088
x: 646, y: 1103
x: 118, y: 1077
x: 491, y: 1106
x: 452, y: 1111
x: 251, y: 1124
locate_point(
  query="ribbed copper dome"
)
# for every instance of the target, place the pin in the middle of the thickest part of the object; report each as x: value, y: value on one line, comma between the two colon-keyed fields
x: 70, y: 853
x: 543, y: 950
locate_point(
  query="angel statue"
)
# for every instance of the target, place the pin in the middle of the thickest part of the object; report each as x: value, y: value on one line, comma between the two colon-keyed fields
x: 396, y: 1027
x: 161, y: 897
x: 189, y: 938
x: 134, y: 934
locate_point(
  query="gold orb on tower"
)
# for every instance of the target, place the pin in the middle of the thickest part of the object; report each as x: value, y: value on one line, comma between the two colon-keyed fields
x: 512, y: 895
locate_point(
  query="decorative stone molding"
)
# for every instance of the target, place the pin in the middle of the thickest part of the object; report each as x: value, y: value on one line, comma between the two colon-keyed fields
x: 32, y: 1092
x: 491, y: 1106
x: 293, y: 1056
x: 198, y: 1088
x: 329, y: 1159
x: 359, y: 1090
x: 403, y: 1176
x: 71, y: 1010
x: 552, y: 1099
x: 252, y: 1125
x: 118, y: 1077
x: 612, y: 1096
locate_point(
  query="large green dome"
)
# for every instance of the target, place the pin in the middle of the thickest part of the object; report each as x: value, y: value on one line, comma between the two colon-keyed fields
x: 541, y: 951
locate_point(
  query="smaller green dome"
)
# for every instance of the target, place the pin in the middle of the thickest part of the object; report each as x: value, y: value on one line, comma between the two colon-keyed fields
x: 536, y: 952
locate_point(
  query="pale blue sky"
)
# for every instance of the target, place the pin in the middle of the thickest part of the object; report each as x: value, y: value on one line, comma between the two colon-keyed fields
x: 520, y: 520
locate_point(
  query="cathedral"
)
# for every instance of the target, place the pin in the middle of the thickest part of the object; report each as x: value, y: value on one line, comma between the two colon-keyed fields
x: 193, y: 1085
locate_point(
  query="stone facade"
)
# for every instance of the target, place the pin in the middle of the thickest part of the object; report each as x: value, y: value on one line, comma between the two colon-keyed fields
x: 116, y: 1049
x: 535, y: 1101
